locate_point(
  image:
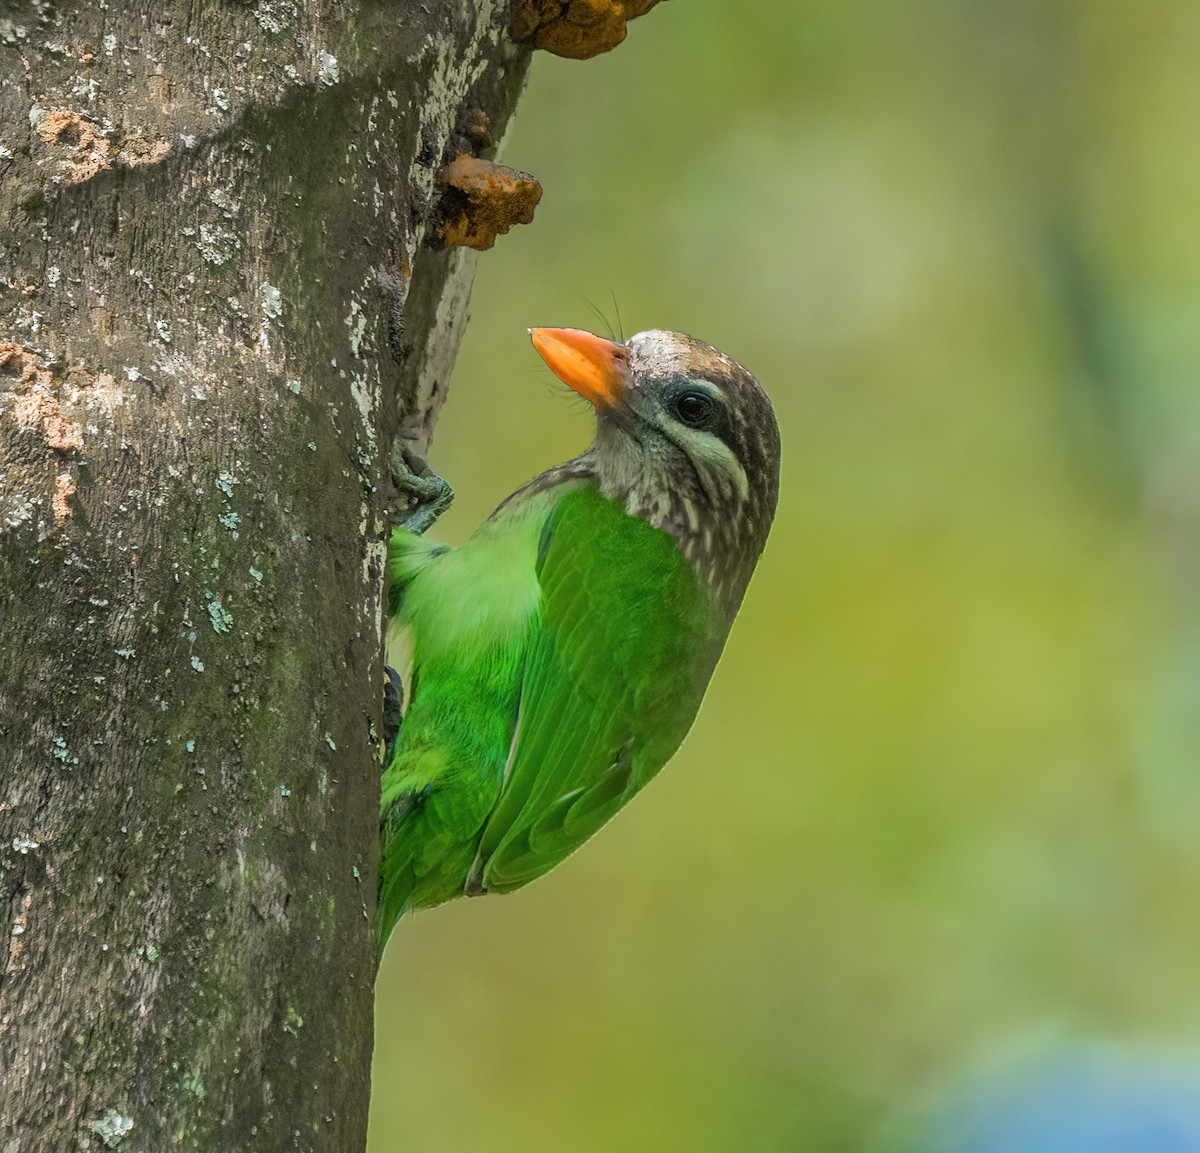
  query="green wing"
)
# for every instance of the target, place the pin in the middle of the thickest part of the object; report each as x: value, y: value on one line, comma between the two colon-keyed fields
x: 627, y: 642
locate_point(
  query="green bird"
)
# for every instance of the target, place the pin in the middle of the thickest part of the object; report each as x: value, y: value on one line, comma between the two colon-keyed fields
x: 560, y: 655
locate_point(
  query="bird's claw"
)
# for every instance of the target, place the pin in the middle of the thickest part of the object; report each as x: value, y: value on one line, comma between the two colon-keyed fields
x: 427, y: 495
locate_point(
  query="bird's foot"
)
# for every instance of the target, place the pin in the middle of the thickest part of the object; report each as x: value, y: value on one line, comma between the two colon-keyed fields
x: 425, y: 494
x: 393, y: 707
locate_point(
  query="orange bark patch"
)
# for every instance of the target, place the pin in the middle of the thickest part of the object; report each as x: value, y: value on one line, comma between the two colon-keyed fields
x: 64, y: 490
x: 16, y: 362
x: 61, y: 128
x: 575, y: 28
x: 29, y: 388
x: 482, y: 200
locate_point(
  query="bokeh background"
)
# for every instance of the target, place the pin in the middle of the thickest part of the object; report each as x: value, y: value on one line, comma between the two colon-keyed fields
x: 940, y: 814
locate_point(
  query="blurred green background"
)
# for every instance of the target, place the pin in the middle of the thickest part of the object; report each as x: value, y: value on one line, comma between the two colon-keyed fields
x: 943, y: 798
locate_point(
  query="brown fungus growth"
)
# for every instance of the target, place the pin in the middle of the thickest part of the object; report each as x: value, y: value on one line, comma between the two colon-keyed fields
x: 482, y: 200
x: 575, y: 28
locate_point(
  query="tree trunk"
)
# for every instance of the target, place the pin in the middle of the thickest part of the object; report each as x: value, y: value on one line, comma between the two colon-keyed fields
x: 219, y: 305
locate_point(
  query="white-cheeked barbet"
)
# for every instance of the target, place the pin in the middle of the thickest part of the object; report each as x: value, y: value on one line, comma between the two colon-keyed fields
x: 561, y: 653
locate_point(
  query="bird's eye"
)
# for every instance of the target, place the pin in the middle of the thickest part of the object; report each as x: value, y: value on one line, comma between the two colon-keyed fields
x: 694, y: 409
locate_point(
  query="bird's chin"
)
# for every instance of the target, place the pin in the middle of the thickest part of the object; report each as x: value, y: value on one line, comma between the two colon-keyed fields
x: 617, y: 420
x: 620, y: 434
x: 620, y: 451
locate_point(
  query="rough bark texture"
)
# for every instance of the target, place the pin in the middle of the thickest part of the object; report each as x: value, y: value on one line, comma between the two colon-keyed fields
x: 217, y: 309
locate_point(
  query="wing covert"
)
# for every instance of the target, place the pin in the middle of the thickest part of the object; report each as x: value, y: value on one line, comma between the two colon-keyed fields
x: 626, y: 645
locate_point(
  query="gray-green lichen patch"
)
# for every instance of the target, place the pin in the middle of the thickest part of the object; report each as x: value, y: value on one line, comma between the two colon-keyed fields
x: 224, y: 201
x: 193, y: 1083
x: 112, y: 1128
x: 20, y: 509
x: 10, y: 32
x: 327, y: 68
x: 272, y: 301
x: 274, y: 17
x: 356, y: 322
x: 218, y: 615
x: 217, y: 245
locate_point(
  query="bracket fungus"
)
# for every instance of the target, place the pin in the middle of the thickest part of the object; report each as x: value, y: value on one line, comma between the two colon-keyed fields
x: 575, y: 28
x: 482, y: 200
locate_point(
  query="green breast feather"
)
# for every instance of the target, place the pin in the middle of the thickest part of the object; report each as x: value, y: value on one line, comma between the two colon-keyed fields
x: 559, y: 658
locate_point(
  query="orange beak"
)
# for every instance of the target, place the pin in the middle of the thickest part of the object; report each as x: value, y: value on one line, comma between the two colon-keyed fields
x: 595, y: 368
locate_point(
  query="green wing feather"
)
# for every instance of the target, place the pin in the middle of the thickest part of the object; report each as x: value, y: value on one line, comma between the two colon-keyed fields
x: 626, y: 643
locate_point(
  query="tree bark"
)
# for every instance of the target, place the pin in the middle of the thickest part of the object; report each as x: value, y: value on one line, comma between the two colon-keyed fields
x: 219, y: 305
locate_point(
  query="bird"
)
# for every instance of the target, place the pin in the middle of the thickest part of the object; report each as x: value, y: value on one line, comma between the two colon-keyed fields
x: 560, y: 654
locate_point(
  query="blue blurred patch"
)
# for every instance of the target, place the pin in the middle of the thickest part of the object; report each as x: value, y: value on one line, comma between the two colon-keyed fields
x: 1087, y: 1103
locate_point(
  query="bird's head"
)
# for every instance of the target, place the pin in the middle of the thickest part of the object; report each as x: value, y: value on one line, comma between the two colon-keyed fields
x: 685, y: 437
